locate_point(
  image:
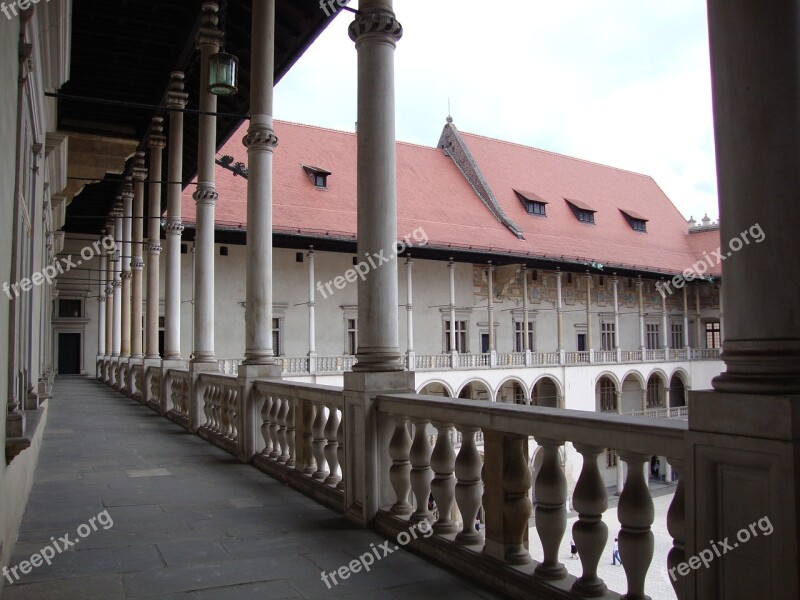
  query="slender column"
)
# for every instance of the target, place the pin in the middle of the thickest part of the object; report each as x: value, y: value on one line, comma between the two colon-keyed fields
x: 312, y: 318
x: 620, y: 464
x: 126, y: 275
x: 109, y: 291
x: 640, y: 294
x: 375, y: 33
x: 560, y: 313
x: 698, y: 325
x: 137, y: 264
x: 117, y: 326
x: 157, y: 142
x: 755, y: 63
x: 589, y: 336
x: 617, y: 332
x: 410, y: 311
x: 664, y: 324
x: 453, y: 351
x: 209, y: 39
x: 101, y: 307
x: 490, y: 310
x: 686, y: 344
x: 721, y: 319
x: 260, y: 142
x: 177, y: 99
x: 525, y: 311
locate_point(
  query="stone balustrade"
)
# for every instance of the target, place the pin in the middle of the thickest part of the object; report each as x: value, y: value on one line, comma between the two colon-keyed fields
x: 220, y: 395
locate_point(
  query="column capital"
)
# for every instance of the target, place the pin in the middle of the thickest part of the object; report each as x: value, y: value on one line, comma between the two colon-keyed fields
x: 137, y: 264
x: 383, y: 24
x: 139, y: 170
x: 152, y: 249
x: 176, y: 97
x: 205, y: 193
x: 101, y: 298
x: 260, y: 137
x: 209, y: 33
x: 125, y: 275
x: 157, y: 139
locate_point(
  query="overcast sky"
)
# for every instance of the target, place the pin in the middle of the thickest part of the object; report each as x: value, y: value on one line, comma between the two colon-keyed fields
x: 621, y: 82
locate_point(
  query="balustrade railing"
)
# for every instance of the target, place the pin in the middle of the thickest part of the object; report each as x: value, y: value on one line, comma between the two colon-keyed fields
x: 499, y: 486
x: 511, y: 359
x: 473, y: 361
x: 678, y: 412
x: 605, y: 356
x: 577, y: 358
x: 631, y: 355
x: 220, y: 395
x: 301, y: 437
x: 178, y: 387
x: 705, y: 353
x: 153, y: 381
x: 137, y: 381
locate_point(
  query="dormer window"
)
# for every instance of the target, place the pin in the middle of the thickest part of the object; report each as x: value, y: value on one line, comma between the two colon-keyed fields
x: 635, y: 220
x: 319, y: 177
x: 534, y: 205
x: 582, y: 211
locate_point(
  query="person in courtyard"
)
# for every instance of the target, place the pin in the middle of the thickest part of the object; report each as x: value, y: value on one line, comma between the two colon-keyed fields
x: 615, y: 553
x: 573, y: 549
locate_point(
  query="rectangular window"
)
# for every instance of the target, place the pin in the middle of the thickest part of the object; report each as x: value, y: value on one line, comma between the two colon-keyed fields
x: 70, y: 308
x: 611, y: 458
x: 608, y: 396
x: 277, y: 337
x: 519, y: 336
x: 653, y: 397
x: 585, y: 216
x: 352, y: 337
x: 677, y: 335
x: 461, y: 336
x: 652, y: 335
x: 536, y: 208
x: 608, y: 336
x: 713, y: 335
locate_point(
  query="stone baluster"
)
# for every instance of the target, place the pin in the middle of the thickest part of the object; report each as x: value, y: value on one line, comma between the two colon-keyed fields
x: 310, y: 411
x: 318, y: 431
x: 443, y: 486
x: 399, y: 472
x: 206, y: 390
x: 551, y: 510
x: 282, y: 414
x: 332, y: 446
x: 516, y: 501
x: 636, y: 514
x: 274, y: 427
x: 233, y: 412
x: 469, y: 488
x: 290, y: 433
x: 266, y: 433
x: 340, y: 451
x: 676, y: 525
x: 421, y: 472
x: 589, y: 531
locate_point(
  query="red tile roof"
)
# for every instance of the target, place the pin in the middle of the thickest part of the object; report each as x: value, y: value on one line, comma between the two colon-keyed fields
x: 434, y: 195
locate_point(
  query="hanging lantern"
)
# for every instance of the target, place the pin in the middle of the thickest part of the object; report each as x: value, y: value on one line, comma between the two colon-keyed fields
x: 222, y: 74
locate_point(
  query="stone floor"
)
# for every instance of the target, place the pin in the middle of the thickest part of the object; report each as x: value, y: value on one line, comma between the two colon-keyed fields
x: 189, y: 521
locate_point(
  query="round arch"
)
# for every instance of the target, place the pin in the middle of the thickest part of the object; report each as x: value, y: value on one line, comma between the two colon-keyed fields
x: 606, y: 389
x: 435, y: 387
x: 512, y: 390
x: 634, y: 374
x: 678, y: 389
x: 547, y: 391
x: 476, y: 389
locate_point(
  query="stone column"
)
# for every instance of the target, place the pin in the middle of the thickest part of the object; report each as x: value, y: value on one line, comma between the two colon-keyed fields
x: 312, y: 311
x: 721, y: 319
x: 176, y: 100
x: 379, y: 368
x: 620, y: 464
x: 260, y: 142
x: 375, y: 33
x: 589, y: 336
x: 117, y: 325
x: 453, y: 351
x: 209, y: 40
x: 410, y: 312
x: 560, y: 314
x: 126, y: 275
x: 665, y: 327
x: 698, y: 325
x: 742, y: 442
x: 686, y: 343
x: 526, y: 346
x: 640, y: 295
x: 617, y: 332
x: 137, y: 264
x: 101, y: 308
x: 157, y: 142
x: 109, y: 281
x: 490, y: 311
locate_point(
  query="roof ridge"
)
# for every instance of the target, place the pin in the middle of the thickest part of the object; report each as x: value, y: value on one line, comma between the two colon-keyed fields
x: 350, y: 133
x: 553, y: 153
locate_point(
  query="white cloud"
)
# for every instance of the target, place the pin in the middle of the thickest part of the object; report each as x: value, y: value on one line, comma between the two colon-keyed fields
x: 621, y: 82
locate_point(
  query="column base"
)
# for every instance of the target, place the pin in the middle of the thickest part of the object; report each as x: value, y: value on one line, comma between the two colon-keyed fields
x: 378, y: 362
x: 744, y: 485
